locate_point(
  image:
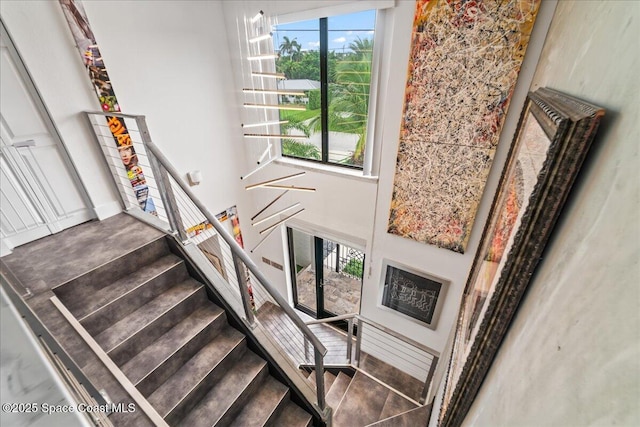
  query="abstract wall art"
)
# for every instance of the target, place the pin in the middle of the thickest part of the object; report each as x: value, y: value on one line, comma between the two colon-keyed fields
x: 464, y: 62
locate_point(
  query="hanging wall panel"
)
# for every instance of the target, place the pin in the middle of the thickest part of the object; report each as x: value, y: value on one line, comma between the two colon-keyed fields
x: 464, y: 62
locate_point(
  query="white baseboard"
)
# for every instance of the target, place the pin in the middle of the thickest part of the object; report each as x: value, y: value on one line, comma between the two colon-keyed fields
x: 107, y: 210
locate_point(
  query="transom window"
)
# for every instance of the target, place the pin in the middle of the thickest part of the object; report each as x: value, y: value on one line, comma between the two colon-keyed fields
x: 327, y: 64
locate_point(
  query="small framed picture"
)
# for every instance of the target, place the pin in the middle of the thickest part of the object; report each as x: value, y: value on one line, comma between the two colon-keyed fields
x: 412, y: 293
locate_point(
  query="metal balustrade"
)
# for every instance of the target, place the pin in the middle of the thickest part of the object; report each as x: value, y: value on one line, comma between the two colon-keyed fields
x: 176, y: 210
x: 417, y: 360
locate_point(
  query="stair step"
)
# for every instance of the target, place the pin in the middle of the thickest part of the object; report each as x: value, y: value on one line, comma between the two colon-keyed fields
x: 329, y: 378
x: 362, y: 403
x: 336, y: 392
x: 265, y: 405
x: 415, y: 417
x: 180, y: 392
x: 123, y: 297
x: 293, y: 416
x: 395, y: 405
x: 227, y: 397
x: 76, y: 292
x: 155, y: 364
x: 129, y: 336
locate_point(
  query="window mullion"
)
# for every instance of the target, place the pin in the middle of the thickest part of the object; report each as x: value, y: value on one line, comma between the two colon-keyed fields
x: 324, y: 87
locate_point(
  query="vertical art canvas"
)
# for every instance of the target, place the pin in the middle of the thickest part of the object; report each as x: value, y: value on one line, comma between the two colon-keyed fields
x: 464, y: 62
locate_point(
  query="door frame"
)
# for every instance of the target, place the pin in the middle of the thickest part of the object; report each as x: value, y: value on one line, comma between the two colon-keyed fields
x: 319, y: 264
x: 46, y: 116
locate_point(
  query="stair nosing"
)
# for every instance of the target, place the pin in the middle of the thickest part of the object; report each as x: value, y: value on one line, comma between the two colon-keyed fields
x: 281, y: 401
x: 53, y: 289
x: 134, y: 333
x: 177, y: 263
x: 193, y: 336
x: 264, y: 370
x: 346, y: 391
x: 204, y: 377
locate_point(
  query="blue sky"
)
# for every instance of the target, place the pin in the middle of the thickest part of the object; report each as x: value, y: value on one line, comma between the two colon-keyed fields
x: 343, y: 30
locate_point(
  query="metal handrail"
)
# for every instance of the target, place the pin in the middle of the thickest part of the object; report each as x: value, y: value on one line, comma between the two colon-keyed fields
x: 163, y: 171
x: 82, y: 386
x: 236, y: 249
x: 361, y: 319
x: 331, y: 319
x: 377, y: 326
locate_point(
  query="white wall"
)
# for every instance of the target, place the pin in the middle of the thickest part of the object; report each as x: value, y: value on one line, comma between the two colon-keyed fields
x: 342, y: 207
x: 572, y: 354
x: 40, y: 33
x: 169, y: 61
x: 360, y: 209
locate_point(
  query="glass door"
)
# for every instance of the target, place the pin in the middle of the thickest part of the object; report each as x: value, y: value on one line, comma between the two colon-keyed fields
x: 326, y: 275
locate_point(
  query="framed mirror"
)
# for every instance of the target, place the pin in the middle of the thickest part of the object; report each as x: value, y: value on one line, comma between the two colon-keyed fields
x: 550, y: 144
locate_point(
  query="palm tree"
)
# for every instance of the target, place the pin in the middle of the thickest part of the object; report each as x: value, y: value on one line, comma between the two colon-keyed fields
x: 349, y: 108
x: 349, y: 100
x: 289, y: 47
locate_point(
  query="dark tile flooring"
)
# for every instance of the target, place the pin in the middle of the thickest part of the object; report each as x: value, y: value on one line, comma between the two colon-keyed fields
x: 46, y: 263
x: 43, y: 264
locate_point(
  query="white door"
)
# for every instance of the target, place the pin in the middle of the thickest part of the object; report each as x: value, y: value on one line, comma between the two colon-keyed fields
x: 39, y: 195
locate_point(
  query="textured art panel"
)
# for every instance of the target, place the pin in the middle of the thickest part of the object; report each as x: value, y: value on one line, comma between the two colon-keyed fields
x: 464, y: 63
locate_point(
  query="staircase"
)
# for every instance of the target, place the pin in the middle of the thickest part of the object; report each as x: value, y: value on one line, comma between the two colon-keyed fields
x: 360, y: 401
x: 157, y: 323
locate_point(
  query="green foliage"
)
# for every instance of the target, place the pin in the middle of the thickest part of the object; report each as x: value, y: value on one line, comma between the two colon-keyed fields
x: 290, y: 48
x: 354, y: 267
x: 314, y: 100
x: 300, y: 149
x: 349, y: 85
x: 304, y: 65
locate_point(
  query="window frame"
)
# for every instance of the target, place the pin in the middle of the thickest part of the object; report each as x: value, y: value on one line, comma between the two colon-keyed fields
x: 367, y: 168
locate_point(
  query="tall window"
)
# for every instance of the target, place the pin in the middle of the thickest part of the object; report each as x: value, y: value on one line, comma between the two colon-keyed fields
x: 327, y: 65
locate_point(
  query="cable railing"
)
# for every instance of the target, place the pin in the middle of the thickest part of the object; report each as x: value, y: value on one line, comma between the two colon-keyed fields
x: 365, y: 336
x: 151, y: 189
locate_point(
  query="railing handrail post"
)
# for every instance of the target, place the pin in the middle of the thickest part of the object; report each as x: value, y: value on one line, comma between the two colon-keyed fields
x: 319, y: 362
x: 244, y: 292
x: 349, y: 338
x: 358, y: 341
x: 427, y: 382
x: 163, y: 182
x: 235, y: 248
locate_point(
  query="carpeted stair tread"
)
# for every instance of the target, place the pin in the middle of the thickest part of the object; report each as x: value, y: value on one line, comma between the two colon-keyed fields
x: 165, y: 356
x: 265, y: 404
x: 228, y: 396
x: 362, y: 403
x: 124, y: 296
x: 292, y: 416
x: 139, y: 319
x: 187, y: 385
x: 336, y: 392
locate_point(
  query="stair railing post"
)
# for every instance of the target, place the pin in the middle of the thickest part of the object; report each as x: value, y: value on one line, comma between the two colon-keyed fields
x: 319, y: 362
x: 164, y: 184
x: 306, y: 348
x: 427, y: 382
x: 349, y: 338
x: 243, y: 279
x: 359, y: 342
